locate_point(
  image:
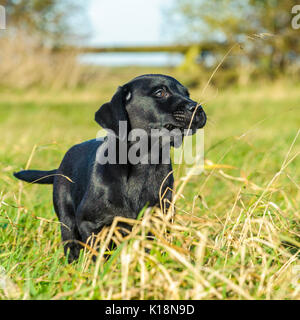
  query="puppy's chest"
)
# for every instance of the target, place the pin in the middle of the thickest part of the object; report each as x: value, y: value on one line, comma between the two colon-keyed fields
x: 146, y: 188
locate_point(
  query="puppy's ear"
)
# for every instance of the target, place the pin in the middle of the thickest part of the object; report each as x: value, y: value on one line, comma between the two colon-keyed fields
x: 110, y: 114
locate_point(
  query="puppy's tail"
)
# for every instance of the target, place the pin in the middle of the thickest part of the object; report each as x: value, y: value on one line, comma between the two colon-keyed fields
x: 36, y: 176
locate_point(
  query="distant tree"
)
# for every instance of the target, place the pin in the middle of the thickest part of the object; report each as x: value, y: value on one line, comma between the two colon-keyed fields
x: 56, y: 21
x: 240, y: 20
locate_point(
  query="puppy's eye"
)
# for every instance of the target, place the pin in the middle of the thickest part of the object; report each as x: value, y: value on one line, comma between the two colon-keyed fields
x: 161, y: 93
x: 128, y: 96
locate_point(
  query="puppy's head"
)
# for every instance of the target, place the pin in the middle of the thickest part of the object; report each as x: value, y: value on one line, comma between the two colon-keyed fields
x: 152, y: 102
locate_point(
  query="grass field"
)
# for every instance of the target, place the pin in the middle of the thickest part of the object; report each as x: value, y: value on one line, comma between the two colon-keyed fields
x: 236, y: 233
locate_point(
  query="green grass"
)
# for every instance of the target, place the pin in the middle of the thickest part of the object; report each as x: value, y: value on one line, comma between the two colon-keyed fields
x: 235, y: 235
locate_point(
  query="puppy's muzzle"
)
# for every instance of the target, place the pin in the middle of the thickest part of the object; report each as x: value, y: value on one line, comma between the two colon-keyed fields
x: 191, y: 115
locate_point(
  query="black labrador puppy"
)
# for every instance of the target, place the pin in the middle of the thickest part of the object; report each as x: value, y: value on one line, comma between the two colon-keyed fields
x: 101, y: 190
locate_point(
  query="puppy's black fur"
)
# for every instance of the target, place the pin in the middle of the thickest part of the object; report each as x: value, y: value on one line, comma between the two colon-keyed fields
x: 99, y: 192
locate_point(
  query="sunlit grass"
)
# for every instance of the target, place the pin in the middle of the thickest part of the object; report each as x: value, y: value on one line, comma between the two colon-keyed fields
x: 235, y: 234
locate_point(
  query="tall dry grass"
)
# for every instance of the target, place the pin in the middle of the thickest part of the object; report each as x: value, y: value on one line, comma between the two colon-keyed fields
x: 238, y: 243
x: 250, y: 252
x: 25, y: 63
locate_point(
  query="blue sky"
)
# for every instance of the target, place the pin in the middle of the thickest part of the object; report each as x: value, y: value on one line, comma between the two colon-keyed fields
x: 129, y: 22
x: 125, y: 22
